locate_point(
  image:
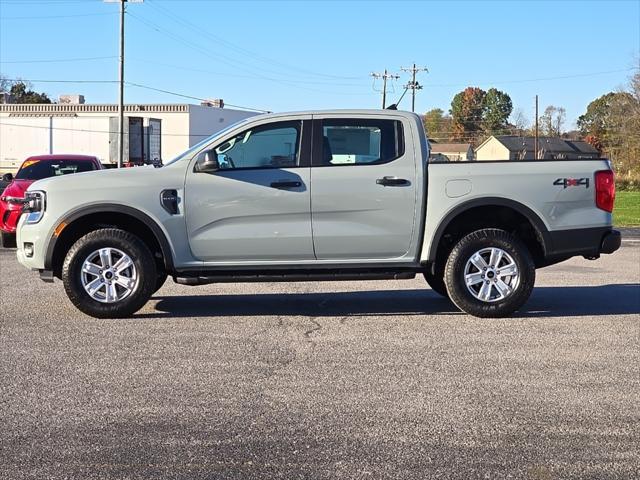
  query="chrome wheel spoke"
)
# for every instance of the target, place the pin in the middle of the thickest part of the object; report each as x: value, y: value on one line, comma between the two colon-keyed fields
x: 478, y: 261
x: 95, y: 285
x: 503, y: 288
x: 496, y: 256
x: 91, y: 268
x: 105, y: 257
x: 122, y: 264
x: 474, y: 278
x: 485, y: 291
x: 126, y: 283
x: 508, y: 270
x: 110, y: 294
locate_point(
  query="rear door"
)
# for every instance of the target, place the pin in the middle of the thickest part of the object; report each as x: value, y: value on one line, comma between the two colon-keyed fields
x: 364, y: 188
x: 256, y: 207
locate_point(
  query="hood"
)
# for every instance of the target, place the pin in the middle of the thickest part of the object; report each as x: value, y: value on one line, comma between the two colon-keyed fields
x: 17, y: 188
x: 114, y: 178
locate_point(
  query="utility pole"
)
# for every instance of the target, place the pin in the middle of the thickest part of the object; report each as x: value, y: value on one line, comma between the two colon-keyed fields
x: 413, y: 85
x: 121, y: 99
x: 535, y: 148
x: 386, y: 75
x: 121, y: 80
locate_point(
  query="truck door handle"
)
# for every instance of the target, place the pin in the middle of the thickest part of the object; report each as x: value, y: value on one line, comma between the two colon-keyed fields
x: 285, y: 184
x: 388, y: 181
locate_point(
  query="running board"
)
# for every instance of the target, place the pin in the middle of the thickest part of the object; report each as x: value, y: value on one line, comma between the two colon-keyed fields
x: 293, y: 276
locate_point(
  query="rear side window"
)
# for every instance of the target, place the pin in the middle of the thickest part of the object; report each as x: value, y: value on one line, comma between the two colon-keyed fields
x: 360, y: 141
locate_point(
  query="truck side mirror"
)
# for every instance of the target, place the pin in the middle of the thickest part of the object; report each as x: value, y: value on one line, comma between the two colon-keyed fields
x: 208, y: 162
x: 7, y: 177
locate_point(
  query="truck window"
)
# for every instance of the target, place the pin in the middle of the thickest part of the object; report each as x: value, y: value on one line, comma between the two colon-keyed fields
x: 360, y: 141
x: 270, y: 146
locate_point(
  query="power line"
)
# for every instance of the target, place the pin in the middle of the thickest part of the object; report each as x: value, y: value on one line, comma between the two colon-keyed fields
x: 221, y: 41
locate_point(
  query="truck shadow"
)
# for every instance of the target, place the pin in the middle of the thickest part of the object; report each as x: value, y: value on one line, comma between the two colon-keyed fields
x: 616, y: 299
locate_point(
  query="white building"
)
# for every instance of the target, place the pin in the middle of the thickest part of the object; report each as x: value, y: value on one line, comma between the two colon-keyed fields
x: 451, y: 152
x: 151, y: 130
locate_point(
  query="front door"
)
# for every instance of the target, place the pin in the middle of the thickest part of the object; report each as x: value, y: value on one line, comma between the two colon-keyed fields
x: 256, y: 207
x: 364, y: 191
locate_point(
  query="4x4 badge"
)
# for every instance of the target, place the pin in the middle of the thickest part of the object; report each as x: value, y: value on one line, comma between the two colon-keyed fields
x: 572, y: 182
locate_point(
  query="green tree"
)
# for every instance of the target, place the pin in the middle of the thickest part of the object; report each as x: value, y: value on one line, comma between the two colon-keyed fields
x: 497, y: 109
x: 467, y: 113
x: 437, y: 125
x: 22, y: 93
x: 598, y: 120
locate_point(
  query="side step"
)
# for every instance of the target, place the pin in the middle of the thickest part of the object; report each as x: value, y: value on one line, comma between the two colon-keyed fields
x: 293, y: 276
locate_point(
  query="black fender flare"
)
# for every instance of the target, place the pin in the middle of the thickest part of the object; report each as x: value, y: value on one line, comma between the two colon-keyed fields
x: 80, y: 212
x: 534, y: 219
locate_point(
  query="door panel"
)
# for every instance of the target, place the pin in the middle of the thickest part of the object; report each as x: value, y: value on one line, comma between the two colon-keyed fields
x: 256, y: 207
x: 238, y: 216
x: 355, y: 212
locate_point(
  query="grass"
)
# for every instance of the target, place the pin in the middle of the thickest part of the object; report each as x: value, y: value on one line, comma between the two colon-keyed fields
x: 626, y: 211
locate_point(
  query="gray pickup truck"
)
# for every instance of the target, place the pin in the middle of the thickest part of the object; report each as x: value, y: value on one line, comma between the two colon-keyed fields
x: 310, y: 196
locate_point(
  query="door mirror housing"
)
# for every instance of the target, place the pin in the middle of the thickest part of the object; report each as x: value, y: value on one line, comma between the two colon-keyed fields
x: 208, y: 162
x: 7, y: 177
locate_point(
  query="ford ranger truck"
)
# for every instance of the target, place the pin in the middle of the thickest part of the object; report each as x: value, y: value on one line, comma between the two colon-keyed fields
x: 311, y: 196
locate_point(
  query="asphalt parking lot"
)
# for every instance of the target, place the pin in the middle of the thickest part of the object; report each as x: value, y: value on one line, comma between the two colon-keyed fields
x: 354, y: 380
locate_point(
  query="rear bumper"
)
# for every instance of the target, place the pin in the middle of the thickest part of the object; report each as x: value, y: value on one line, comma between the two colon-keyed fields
x: 611, y: 242
x: 588, y: 242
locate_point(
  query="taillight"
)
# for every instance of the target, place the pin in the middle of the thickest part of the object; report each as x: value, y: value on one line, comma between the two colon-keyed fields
x: 605, y: 190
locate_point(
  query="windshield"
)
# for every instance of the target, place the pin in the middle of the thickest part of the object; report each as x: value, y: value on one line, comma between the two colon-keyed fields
x: 39, y: 169
x: 202, y: 143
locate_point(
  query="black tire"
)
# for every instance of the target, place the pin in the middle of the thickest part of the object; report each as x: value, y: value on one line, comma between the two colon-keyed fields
x: 161, y: 278
x: 7, y: 239
x: 455, y: 274
x: 436, y: 280
x: 124, y: 241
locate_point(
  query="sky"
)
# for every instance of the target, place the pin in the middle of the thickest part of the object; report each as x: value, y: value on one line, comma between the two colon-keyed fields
x: 299, y: 55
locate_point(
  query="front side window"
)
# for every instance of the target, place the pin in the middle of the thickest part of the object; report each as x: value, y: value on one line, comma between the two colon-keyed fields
x: 268, y: 146
x: 361, y: 141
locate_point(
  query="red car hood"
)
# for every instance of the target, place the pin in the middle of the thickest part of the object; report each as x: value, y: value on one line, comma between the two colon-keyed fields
x: 17, y: 188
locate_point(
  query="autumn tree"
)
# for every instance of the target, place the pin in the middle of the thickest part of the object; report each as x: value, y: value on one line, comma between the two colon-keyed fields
x: 467, y: 113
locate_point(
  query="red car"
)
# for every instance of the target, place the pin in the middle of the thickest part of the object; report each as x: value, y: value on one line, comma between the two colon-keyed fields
x: 32, y: 169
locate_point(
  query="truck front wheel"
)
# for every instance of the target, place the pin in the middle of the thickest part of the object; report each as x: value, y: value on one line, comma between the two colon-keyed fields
x: 489, y: 273
x: 109, y: 273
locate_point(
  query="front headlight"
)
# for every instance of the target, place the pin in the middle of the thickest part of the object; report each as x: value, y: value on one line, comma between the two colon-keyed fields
x: 35, y: 204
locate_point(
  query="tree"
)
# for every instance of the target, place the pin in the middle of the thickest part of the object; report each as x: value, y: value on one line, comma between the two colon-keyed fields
x: 467, y: 112
x: 437, y: 125
x: 520, y: 122
x: 21, y: 95
x: 552, y: 121
x: 611, y: 124
x: 497, y: 108
x: 597, y: 119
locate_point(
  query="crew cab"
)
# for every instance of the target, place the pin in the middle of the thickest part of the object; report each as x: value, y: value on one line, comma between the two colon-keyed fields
x: 32, y: 169
x: 311, y: 196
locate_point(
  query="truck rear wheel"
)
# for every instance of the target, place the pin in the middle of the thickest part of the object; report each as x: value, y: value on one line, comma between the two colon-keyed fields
x: 489, y: 273
x: 109, y: 273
